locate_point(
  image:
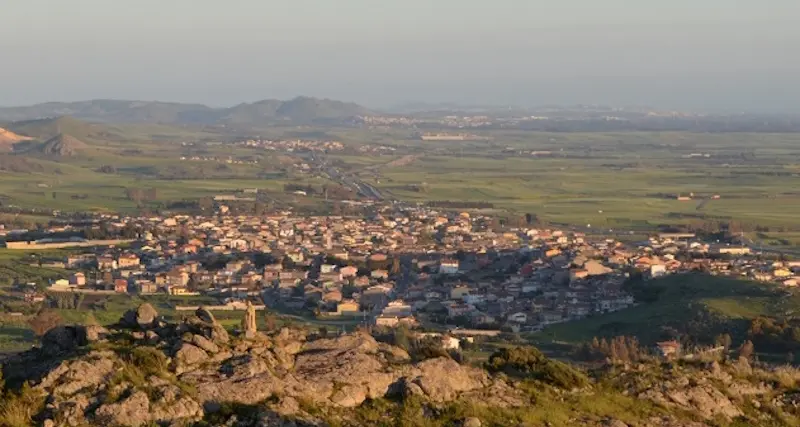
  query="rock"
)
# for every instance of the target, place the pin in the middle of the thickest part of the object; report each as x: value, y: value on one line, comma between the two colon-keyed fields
x: 146, y: 316
x: 345, y: 370
x: 95, y: 333
x: 707, y: 401
x: 472, y: 422
x: 63, y: 339
x: 172, y: 406
x: 88, y: 374
x: 206, y: 316
x: 287, y: 406
x: 443, y: 379
x: 133, y: 411
x: 205, y: 344
x: 187, y: 356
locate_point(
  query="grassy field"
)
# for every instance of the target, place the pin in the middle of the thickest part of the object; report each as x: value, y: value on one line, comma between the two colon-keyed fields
x: 694, y: 304
x: 624, y: 180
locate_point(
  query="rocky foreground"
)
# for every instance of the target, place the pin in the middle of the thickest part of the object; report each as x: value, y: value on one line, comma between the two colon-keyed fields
x: 149, y: 371
x: 145, y: 371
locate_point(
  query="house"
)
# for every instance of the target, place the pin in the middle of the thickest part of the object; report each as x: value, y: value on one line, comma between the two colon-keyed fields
x: 348, y: 271
x: 459, y: 292
x: 518, y: 318
x: 77, y: 279
x: 658, y: 270
x: 177, y: 278
x: 449, y: 266
x: 146, y: 287
x: 347, y: 308
x: 379, y: 274
x: 106, y: 263
x: 121, y: 286
x: 128, y: 261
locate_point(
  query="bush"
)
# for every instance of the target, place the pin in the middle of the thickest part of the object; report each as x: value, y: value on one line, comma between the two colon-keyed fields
x: 18, y: 409
x: 44, y: 321
x: 530, y: 363
x: 149, y: 360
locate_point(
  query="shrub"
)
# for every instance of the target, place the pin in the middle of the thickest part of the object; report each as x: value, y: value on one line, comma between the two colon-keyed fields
x: 44, y: 321
x: 529, y: 362
x: 18, y: 409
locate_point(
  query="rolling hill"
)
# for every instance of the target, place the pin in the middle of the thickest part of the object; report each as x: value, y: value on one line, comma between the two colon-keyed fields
x: 44, y: 129
x: 693, y: 304
x: 62, y: 145
x: 8, y: 139
x: 300, y: 110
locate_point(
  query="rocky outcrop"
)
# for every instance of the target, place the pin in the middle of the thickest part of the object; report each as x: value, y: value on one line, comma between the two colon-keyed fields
x: 180, y: 373
x: 144, y: 317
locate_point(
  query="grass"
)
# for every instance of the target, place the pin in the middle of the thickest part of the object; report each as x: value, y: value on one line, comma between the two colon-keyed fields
x: 695, y: 304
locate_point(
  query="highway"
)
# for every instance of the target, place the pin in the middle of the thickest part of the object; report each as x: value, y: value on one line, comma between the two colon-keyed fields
x: 333, y: 173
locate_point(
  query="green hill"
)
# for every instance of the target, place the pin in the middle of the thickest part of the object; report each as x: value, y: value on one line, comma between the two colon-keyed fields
x: 45, y: 129
x: 696, y: 305
x: 301, y: 109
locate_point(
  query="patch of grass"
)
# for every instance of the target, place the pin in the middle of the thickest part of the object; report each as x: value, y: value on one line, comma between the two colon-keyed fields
x: 17, y: 409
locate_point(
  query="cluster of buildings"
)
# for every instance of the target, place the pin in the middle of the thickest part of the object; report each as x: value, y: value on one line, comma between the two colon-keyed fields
x: 399, y: 265
x: 227, y: 160
x: 293, y: 145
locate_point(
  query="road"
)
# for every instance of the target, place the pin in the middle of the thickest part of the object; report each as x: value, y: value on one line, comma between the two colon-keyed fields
x: 366, y: 190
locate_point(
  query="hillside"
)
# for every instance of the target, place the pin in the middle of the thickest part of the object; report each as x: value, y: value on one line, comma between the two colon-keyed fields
x: 301, y: 109
x: 61, y: 145
x: 44, y: 129
x: 8, y: 139
x: 696, y: 305
x: 146, y: 371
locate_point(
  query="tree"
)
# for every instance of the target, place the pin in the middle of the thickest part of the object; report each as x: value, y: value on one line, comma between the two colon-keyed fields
x: 401, y: 337
x: 44, y: 321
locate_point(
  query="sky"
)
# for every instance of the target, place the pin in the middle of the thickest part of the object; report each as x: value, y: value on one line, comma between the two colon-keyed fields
x: 690, y: 54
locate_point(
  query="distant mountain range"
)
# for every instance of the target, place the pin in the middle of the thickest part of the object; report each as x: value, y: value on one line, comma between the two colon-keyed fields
x: 298, y: 110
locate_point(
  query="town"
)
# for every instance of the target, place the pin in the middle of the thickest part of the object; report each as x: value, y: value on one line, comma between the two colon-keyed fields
x: 399, y: 265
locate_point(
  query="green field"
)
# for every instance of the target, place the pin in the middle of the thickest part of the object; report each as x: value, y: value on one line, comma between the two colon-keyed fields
x: 692, y: 304
x: 609, y: 180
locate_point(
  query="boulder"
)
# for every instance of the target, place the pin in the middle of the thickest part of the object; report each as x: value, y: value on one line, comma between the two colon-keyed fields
x: 189, y: 355
x: 205, y: 344
x: 63, y: 339
x: 471, y: 422
x: 204, y: 315
x: 133, y: 411
x: 146, y: 316
x: 94, y: 333
x: 443, y: 379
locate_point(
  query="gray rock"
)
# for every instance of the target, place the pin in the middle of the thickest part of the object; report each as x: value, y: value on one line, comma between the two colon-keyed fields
x: 205, y: 315
x: 471, y: 422
x: 95, y: 333
x: 205, y: 344
x: 63, y: 339
x: 146, y: 316
x: 133, y: 411
x: 188, y: 356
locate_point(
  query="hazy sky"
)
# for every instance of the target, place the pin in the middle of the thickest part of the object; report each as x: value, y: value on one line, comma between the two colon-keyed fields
x: 734, y: 54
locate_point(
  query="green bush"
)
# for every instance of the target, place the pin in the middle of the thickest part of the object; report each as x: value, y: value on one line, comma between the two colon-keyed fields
x: 18, y: 409
x: 529, y: 362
